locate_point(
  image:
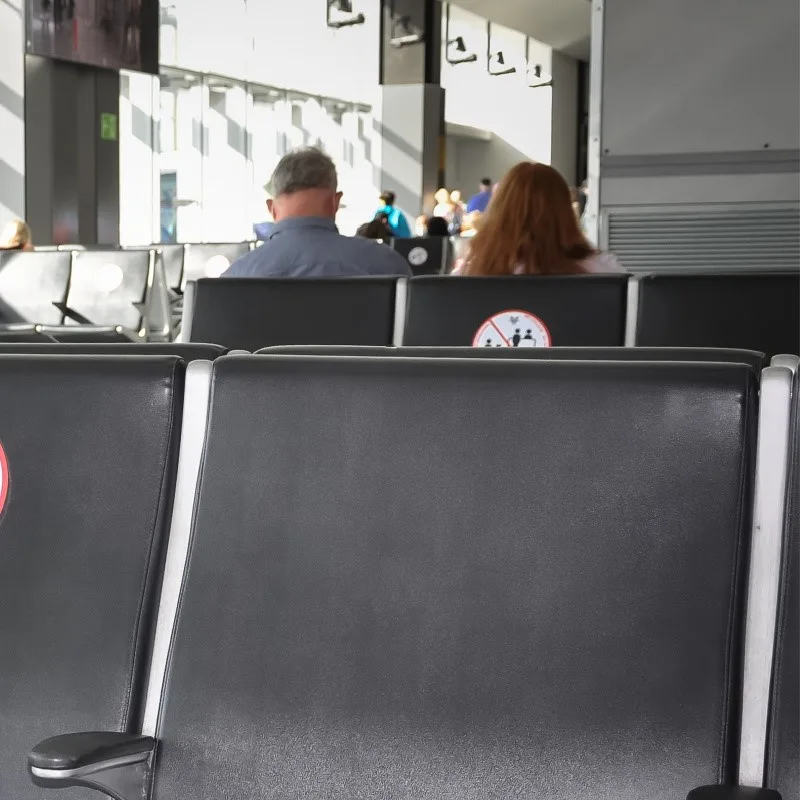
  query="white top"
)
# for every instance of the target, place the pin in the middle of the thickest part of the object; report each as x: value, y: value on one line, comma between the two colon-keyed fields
x: 599, y: 263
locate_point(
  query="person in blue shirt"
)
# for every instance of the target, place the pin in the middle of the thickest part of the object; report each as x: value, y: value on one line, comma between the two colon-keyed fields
x: 480, y: 201
x: 397, y: 219
x: 304, y: 241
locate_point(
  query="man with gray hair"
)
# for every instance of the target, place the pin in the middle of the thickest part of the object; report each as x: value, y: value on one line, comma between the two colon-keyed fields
x: 304, y: 241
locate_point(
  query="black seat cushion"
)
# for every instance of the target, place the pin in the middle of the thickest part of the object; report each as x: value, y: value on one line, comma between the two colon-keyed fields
x: 90, y: 446
x: 756, y: 360
x: 469, y: 579
x: 188, y: 352
x: 757, y: 312
x: 250, y: 313
x: 579, y: 311
x: 783, y: 763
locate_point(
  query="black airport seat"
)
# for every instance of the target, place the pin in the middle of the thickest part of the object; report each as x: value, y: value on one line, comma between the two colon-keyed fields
x: 88, y: 334
x: 709, y: 355
x: 88, y: 450
x: 563, y: 311
x: 111, y: 287
x: 429, y: 255
x: 783, y: 751
x: 757, y: 312
x: 461, y: 578
x: 210, y: 260
x: 23, y: 334
x: 248, y: 314
x: 33, y: 287
x: 188, y: 352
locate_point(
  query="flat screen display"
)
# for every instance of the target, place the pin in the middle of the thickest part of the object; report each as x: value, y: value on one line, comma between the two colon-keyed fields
x: 116, y: 34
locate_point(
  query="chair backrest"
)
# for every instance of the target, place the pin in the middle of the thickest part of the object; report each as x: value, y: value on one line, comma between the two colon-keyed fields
x: 171, y: 256
x: 758, y: 312
x: 250, y: 313
x: 210, y: 260
x: 110, y: 287
x: 462, y: 573
x: 429, y: 255
x: 756, y: 360
x: 33, y: 285
x: 563, y: 311
x: 87, y: 459
x: 783, y: 752
x: 188, y: 352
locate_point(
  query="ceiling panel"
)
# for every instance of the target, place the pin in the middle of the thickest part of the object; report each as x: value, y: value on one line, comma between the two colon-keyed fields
x: 562, y: 24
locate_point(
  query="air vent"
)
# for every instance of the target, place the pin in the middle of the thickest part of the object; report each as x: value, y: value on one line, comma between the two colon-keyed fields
x: 720, y: 241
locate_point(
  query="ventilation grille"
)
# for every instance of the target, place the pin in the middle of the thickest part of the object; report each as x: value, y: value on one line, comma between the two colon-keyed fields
x: 722, y: 241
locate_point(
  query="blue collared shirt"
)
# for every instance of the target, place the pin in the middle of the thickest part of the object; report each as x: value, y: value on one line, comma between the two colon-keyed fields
x: 479, y: 202
x: 312, y: 247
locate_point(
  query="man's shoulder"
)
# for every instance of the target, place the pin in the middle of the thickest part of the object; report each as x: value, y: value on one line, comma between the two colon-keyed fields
x: 254, y: 264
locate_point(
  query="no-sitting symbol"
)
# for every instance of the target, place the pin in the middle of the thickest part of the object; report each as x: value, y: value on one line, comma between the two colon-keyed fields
x: 3, y: 478
x: 512, y: 328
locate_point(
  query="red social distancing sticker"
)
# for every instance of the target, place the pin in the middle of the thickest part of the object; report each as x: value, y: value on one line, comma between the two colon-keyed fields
x: 3, y: 478
x: 512, y: 328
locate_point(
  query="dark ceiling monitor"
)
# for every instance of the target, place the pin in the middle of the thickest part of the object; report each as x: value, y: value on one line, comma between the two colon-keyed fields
x: 115, y: 34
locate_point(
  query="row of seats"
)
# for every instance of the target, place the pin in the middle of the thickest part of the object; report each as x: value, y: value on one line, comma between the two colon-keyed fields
x: 757, y: 311
x: 297, y: 574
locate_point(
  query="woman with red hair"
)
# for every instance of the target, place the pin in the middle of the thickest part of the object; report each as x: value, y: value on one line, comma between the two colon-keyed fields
x: 530, y: 228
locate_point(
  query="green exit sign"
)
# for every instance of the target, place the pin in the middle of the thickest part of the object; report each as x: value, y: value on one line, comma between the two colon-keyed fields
x: 108, y: 127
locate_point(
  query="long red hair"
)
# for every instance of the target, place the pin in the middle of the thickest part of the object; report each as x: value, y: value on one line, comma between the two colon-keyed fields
x: 530, y: 227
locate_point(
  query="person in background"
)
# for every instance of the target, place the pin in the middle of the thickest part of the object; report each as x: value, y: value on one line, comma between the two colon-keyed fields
x: 531, y: 229
x: 442, y: 207
x: 397, y: 219
x: 479, y: 202
x: 456, y: 218
x: 420, y: 226
x: 436, y: 226
x: 378, y: 228
x: 16, y: 235
x: 305, y: 242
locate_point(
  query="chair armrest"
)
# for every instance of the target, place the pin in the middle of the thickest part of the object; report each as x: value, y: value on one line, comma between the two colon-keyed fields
x: 733, y: 793
x: 118, y: 764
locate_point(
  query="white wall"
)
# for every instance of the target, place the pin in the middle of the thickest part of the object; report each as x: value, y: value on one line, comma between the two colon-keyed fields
x: 138, y: 170
x: 12, y: 110
x: 518, y: 117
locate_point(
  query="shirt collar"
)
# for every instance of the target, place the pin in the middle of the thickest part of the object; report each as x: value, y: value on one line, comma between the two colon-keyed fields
x: 303, y: 223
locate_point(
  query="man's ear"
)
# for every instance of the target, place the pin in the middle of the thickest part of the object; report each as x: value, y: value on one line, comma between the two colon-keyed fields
x: 271, y: 207
x: 337, y: 200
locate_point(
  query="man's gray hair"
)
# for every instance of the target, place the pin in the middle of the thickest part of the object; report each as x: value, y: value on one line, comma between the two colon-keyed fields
x: 306, y: 168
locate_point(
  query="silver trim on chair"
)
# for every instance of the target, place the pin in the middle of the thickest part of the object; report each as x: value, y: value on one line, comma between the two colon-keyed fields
x: 787, y: 361
x: 632, y: 311
x: 772, y: 459
x: 195, y: 415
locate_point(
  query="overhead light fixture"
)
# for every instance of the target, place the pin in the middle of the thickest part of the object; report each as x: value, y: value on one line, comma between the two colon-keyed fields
x: 457, y: 46
x: 536, y: 76
x: 495, y: 58
x: 340, y: 14
x: 404, y: 34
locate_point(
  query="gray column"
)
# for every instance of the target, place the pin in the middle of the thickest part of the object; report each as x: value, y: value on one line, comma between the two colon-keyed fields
x: 12, y: 110
x: 410, y: 118
x: 72, y: 162
x: 565, y: 113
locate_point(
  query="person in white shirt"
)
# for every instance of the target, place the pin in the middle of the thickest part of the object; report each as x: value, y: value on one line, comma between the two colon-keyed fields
x: 530, y: 228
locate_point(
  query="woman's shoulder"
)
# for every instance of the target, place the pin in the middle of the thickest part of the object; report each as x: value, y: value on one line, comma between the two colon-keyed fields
x: 602, y: 262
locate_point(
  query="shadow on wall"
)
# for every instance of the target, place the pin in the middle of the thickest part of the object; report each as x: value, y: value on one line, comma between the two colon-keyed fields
x: 469, y: 160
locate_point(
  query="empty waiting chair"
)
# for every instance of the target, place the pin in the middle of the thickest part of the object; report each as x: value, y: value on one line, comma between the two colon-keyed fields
x: 758, y: 312
x: 188, y: 352
x: 429, y: 255
x: 563, y: 311
x: 33, y: 287
x: 87, y: 457
x: 111, y: 288
x: 465, y: 574
x: 249, y: 313
x: 756, y: 360
x: 210, y: 260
